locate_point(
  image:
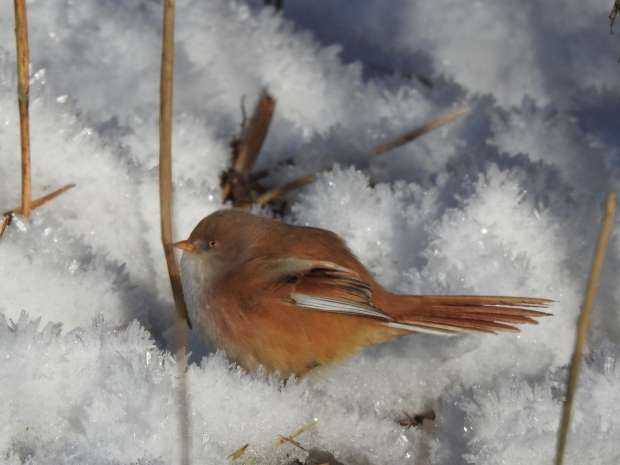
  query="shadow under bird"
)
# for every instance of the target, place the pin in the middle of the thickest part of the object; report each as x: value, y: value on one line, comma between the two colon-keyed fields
x: 292, y: 298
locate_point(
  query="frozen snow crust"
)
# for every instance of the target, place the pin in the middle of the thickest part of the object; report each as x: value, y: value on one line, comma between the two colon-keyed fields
x: 504, y: 202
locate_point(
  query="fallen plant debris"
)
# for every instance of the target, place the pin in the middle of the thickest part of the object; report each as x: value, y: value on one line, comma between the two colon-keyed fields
x: 318, y: 457
x: 615, y: 9
x: 410, y: 421
x: 282, y: 439
x: 238, y: 453
x: 295, y: 434
x: 237, y: 183
x: 242, y: 187
x: 277, y: 4
x: 293, y: 442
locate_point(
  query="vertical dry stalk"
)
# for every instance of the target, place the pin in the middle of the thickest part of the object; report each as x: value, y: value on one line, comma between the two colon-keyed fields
x: 584, y: 323
x: 165, y: 199
x: 23, y: 90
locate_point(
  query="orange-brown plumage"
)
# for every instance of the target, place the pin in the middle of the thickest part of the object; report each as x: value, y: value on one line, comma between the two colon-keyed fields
x: 291, y: 298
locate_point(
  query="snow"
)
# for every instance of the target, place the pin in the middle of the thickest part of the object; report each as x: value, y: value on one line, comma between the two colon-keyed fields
x: 505, y: 201
x: 518, y: 420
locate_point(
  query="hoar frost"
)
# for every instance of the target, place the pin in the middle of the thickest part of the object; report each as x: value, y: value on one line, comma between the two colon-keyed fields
x: 505, y: 201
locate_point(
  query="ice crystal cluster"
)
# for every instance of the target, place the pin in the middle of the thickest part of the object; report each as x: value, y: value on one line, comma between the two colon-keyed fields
x: 506, y: 201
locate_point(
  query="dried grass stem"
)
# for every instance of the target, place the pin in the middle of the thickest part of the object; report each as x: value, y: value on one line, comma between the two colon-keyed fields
x: 419, y: 131
x: 165, y: 197
x: 23, y: 91
x: 583, y: 325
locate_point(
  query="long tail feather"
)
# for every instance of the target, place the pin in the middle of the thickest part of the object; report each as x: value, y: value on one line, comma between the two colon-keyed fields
x: 450, y: 314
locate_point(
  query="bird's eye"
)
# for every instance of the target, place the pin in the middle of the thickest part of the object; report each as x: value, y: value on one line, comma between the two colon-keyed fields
x: 212, y: 244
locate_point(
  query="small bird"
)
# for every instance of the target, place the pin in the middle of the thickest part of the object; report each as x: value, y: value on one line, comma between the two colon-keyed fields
x: 293, y: 298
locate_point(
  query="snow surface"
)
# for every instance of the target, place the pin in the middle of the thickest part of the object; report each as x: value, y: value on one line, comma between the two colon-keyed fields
x: 506, y: 201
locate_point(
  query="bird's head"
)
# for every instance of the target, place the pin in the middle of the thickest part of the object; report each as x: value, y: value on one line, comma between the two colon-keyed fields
x: 223, y: 240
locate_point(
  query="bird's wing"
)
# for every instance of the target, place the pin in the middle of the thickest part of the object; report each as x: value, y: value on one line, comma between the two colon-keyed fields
x: 322, y: 285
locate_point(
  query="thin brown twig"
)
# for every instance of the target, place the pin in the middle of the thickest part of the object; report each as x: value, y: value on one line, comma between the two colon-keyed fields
x: 418, y: 132
x: 295, y: 434
x: 239, y: 452
x: 23, y: 91
x: 250, y: 143
x: 290, y: 440
x: 281, y: 440
x: 7, y: 216
x: 36, y: 203
x: 4, y: 222
x: 279, y: 192
x: 584, y: 323
x: 165, y: 199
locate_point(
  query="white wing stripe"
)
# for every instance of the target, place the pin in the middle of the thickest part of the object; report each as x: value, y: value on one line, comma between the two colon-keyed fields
x: 422, y: 329
x: 326, y: 304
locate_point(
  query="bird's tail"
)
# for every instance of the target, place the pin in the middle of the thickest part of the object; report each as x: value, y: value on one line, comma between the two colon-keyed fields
x: 455, y: 313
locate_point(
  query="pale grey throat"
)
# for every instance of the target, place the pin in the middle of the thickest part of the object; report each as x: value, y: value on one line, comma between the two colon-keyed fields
x: 197, y: 278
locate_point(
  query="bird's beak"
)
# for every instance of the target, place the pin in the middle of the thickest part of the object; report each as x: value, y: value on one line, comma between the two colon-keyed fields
x: 185, y: 245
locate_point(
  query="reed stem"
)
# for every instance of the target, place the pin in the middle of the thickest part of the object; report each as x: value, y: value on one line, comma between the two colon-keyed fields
x: 165, y: 198
x: 23, y: 92
x: 584, y: 324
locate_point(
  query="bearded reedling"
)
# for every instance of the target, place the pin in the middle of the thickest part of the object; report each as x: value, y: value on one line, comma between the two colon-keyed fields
x: 292, y: 298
